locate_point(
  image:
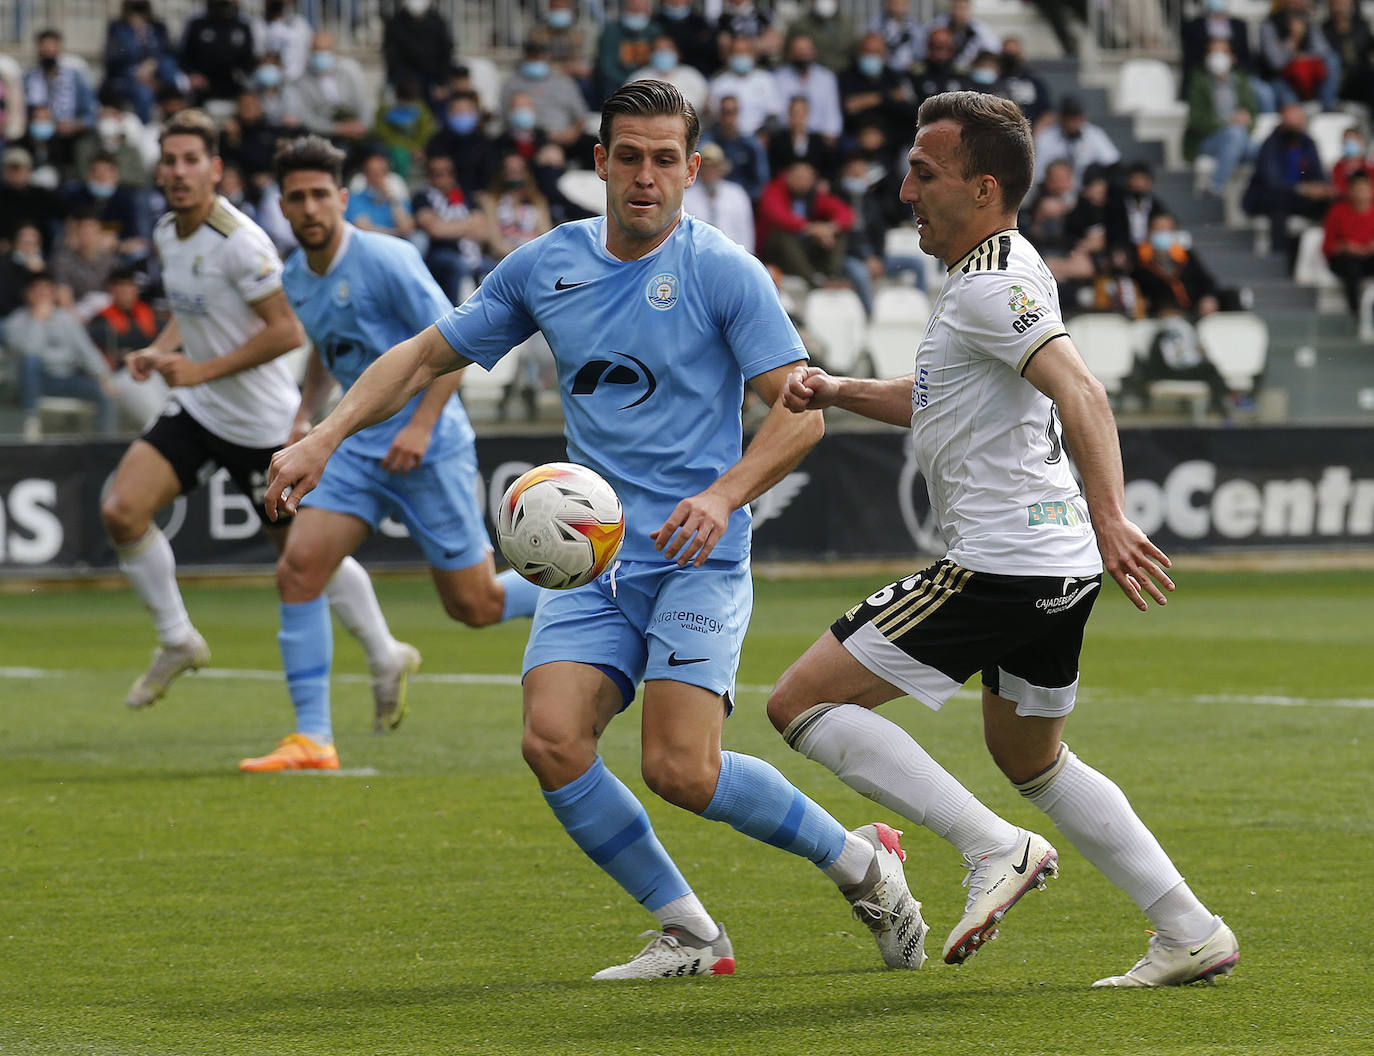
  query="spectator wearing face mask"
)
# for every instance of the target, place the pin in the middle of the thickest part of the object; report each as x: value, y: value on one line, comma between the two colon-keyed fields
x: 625, y: 45
x: 464, y: 142
x: 1348, y: 33
x: 417, y: 42
x: 803, y: 76
x: 666, y: 65
x: 1354, y: 159
x: 746, y: 18
x: 754, y: 90
x: 1132, y: 207
x: 570, y: 47
x: 1221, y: 108
x: 972, y: 36
x: 559, y: 108
x: 903, y: 35
x: 1023, y: 86
x: 119, y: 209
x: 63, y: 90
x: 1171, y: 276
x: 269, y: 81
x: 119, y: 133
x: 331, y: 98
x: 1215, y: 22
x: 985, y: 75
x: 694, y: 36
x: 217, y: 51
x: 1289, y: 179
x: 872, y: 92
x: 284, y: 32
x: 830, y: 31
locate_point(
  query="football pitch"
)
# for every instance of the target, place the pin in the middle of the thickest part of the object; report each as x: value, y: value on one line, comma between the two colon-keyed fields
x: 153, y: 901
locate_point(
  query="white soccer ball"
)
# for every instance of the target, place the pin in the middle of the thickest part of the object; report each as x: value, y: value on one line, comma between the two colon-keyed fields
x: 560, y: 525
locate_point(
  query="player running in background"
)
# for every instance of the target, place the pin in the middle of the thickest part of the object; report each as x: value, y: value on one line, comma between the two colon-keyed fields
x: 357, y: 294
x: 232, y: 405
x: 995, y: 374
x: 656, y: 320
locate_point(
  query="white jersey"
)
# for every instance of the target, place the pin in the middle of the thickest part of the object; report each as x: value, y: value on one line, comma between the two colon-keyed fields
x: 986, y: 439
x: 213, y: 279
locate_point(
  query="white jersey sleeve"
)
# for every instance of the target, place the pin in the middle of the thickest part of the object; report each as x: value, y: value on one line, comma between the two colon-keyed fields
x: 251, y: 264
x: 1009, y: 316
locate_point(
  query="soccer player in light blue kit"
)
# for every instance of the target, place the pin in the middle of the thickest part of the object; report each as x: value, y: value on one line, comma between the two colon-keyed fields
x: 357, y: 293
x: 656, y: 320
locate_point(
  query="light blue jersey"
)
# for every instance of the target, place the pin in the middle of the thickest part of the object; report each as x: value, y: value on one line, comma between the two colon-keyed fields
x: 652, y: 357
x: 376, y: 293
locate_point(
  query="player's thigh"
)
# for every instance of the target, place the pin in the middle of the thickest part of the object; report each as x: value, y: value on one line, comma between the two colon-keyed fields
x: 590, y: 625
x: 248, y: 469
x: 314, y: 542
x: 143, y: 483
x: 696, y: 626
x: 827, y: 673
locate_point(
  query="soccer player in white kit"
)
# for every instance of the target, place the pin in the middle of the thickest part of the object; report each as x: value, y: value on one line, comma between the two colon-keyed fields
x: 995, y: 376
x: 233, y: 403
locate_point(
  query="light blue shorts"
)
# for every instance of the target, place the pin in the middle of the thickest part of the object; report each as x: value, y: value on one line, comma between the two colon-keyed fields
x: 650, y: 620
x: 436, y: 501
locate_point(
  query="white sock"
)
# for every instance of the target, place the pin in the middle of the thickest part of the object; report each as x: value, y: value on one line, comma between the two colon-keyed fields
x: 152, y: 569
x: 1089, y: 809
x: 1179, y: 918
x: 354, y: 602
x: 689, y: 914
x: 880, y: 760
x: 850, y: 869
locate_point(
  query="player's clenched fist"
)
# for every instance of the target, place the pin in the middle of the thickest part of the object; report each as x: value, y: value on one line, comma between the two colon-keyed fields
x: 809, y: 389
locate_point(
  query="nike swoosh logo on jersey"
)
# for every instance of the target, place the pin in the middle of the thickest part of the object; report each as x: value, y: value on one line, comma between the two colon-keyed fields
x: 1025, y: 858
x: 676, y: 661
x: 561, y: 285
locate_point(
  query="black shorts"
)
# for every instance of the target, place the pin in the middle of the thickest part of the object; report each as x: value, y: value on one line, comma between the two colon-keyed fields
x: 930, y: 632
x: 195, y: 453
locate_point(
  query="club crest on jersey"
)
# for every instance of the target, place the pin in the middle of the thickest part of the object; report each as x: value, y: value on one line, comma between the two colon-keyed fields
x: 1019, y: 301
x: 195, y: 267
x: 340, y: 295
x: 662, y: 291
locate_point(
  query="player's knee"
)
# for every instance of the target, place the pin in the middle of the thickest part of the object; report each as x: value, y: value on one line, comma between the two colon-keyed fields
x: 684, y: 782
x: 1021, y: 762
x: 474, y: 609
x: 557, y: 756
x: 298, y: 578
x: 785, y: 703
x: 124, y: 522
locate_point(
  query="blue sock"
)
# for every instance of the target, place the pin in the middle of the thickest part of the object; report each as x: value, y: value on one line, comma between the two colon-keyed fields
x: 521, y: 594
x: 754, y: 798
x: 306, y: 639
x: 610, y: 825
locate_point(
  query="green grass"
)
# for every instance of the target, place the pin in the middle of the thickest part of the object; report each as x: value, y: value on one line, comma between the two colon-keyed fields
x: 154, y: 901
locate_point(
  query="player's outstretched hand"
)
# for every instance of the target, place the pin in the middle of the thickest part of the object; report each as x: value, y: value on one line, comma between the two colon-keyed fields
x: 294, y: 472
x: 1134, y: 562
x: 407, y: 449
x: 809, y: 389
x: 142, y: 363
x: 693, y: 529
x: 178, y: 371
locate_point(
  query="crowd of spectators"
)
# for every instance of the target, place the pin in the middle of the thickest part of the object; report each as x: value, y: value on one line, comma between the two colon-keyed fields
x: 805, y: 127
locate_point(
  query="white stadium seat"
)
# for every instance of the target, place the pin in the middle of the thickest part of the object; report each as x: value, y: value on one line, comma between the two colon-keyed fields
x: 1105, y: 340
x: 836, y: 316
x: 1145, y: 88
x: 481, y: 386
x: 900, y: 314
x: 1238, y: 343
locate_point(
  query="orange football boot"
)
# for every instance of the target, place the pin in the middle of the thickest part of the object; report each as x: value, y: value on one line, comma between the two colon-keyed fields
x: 297, y: 752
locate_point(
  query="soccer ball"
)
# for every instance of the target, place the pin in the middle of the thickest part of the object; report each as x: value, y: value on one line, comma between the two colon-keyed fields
x: 560, y: 525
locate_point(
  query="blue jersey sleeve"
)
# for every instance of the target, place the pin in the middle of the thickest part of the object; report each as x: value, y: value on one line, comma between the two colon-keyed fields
x: 415, y: 297
x: 496, y: 317
x: 751, y: 316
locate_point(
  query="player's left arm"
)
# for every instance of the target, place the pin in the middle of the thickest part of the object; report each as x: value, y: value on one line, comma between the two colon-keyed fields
x: 1129, y: 557
x: 281, y: 333
x: 699, y: 521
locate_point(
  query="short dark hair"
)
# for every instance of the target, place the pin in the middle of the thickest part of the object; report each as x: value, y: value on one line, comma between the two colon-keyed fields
x: 47, y: 33
x: 308, y: 154
x: 192, y: 122
x: 1358, y: 174
x: 649, y: 98
x: 994, y: 138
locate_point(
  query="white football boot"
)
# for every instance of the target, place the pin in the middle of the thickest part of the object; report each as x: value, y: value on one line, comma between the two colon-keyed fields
x: 886, y: 907
x: 676, y: 953
x: 1168, y: 965
x: 995, y: 883
x: 168, y: 662
x: 389, y: 687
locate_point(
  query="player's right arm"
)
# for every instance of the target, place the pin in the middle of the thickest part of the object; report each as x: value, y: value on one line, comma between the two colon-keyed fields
x: 382, y: 390
x: 882, y: 399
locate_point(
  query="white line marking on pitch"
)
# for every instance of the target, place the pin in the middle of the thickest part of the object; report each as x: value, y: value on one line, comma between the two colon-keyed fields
x: 456, y: 679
